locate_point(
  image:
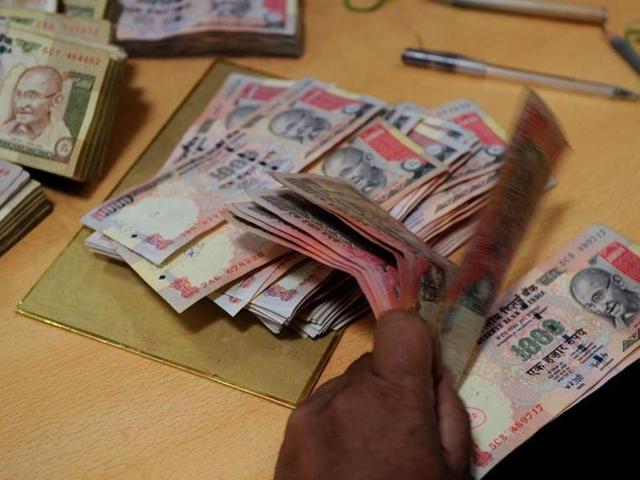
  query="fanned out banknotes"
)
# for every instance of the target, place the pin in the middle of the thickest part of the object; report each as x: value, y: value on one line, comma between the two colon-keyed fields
x: 22, y: 204
x: 59, y: 85
x: 186, y: 27
x: 171, y: 231
x: 431, y: 170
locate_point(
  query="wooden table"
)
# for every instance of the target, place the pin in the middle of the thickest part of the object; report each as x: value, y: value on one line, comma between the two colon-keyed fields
x: 71, y: 407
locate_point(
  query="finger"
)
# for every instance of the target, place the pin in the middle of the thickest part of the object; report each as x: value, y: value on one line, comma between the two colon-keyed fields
x: 403, y: 349
x: 453, y: 422
x: 438, y: 364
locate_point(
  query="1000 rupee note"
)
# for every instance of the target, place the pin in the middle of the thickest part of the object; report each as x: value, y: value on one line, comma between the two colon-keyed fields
x: 536, y: 144
x: 208, y: 264
x: 436, y: 143
x: 157, y: 217
x: 549, y: 339
x: 471, y: 117
x: 383, y: 163
x: 239, y: 97
x: 298, y: 126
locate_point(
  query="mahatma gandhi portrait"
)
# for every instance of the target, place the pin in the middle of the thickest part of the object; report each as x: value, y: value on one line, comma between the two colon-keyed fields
x: 36, y: 94
x: 355, y: 165
x: 298, y: 124
x: 238, y: 115
x: 605, y: 294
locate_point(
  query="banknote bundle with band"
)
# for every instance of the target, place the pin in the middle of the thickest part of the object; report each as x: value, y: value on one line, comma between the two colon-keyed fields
x: 97, y: 9
x: 185, y: 27
x: 22, y: 204
x: 50, y: 6
x: 59, y: 84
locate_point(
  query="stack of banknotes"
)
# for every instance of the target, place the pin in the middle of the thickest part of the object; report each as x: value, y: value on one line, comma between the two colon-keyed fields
x: 50, y: 6
x: 186, y: 27
x: 96, y: 9
x: 22, y: 204
x: 81, y: 8
x: 59, y: 80
x: 434, y: 177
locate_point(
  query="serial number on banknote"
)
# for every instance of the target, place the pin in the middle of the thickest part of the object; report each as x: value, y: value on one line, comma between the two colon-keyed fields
x: 516, y: 426
x: 592, y: 239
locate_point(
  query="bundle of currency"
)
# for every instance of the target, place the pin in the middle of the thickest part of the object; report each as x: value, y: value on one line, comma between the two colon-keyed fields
x: 331, y: 221
x: 185, y: 27
x: 171, y: 231
x: 96, y: 9
x: 22, y: 204
x: 85, y: 30
x: 59, y: 85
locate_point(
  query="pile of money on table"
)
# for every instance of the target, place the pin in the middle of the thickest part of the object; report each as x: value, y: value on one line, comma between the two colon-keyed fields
x: 81, y: 8
x: 432, y: 170
x: 22, y: 204
x: 387, y: 191
x: 186, y: 27
x: 59, y: 85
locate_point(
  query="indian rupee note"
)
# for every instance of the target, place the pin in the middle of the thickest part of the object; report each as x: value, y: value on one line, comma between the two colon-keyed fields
x: 549, y: 339
x: 159, y: 216
x: 535, y: 146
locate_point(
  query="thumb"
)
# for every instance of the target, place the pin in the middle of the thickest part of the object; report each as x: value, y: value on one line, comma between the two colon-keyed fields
x: 453, y: 419
x: 404, y: 349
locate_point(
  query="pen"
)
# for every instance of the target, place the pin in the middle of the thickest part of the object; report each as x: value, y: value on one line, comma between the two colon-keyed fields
x: 625, y: 50
x: 452, y: 62
x: 562, y: 11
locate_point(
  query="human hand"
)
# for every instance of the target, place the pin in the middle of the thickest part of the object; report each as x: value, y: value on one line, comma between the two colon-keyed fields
x: 393, y: 414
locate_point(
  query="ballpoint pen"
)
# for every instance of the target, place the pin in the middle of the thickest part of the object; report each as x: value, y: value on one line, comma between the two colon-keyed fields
x: 552, y: 9
x: 452, y: 62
